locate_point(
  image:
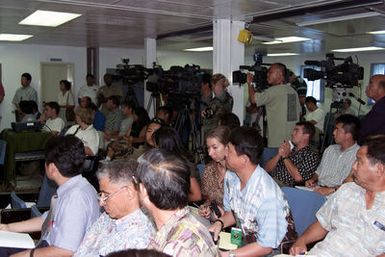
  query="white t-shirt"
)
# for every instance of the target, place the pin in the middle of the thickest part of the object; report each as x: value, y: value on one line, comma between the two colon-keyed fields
x: 66, y: 99
x: 54, y: 125
x: 89, y: 136
x: 319, y: 116
x: 91, y: 92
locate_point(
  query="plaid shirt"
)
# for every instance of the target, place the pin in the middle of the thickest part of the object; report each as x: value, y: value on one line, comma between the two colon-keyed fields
x: 183, y: 236
x: 259, y: 208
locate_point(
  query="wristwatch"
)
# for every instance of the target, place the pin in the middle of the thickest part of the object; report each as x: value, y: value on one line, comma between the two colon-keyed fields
x: 231, y: 254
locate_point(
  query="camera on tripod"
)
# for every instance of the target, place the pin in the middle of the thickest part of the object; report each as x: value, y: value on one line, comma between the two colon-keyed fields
x: 130, y: 73
x: 346, y: 74
x: 260, y: 73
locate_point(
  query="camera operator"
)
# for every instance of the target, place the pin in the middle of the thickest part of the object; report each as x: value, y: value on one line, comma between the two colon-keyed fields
x: 281, y: 103
x: 221, y: 102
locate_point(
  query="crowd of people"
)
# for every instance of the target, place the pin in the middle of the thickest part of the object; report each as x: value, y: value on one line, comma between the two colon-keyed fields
x: 149, y: 181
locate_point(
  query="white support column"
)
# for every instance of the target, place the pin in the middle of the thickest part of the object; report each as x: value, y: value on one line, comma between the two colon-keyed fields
x: 150, y: 57
x: 228, y: 55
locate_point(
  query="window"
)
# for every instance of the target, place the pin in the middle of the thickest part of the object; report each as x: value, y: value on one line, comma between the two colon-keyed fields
x: 315, y: 88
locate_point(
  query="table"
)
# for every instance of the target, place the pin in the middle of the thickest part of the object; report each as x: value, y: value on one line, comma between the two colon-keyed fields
x: 25, y: 142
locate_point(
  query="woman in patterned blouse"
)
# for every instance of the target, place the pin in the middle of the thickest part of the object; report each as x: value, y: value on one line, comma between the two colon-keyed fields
x: 214, y: 173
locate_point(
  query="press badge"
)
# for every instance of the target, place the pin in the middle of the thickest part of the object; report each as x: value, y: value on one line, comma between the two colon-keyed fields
x: 236, y: 236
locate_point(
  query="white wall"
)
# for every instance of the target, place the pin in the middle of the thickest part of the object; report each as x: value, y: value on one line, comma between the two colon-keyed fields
x: 18, y: 58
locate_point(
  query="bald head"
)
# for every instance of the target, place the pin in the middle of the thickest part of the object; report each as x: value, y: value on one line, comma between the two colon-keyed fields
x: 276, y: 74
x: 376, y: 87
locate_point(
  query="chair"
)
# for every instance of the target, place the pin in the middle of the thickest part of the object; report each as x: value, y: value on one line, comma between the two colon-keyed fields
x: 17, y: 202
x: 201, y: 169
x: 303, y: 205
x: 268, y: 153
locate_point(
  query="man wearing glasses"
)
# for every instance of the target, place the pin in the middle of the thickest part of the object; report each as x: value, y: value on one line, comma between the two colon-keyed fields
x: 73, y: 210
x: 123, y: 225
x: 163, y: 182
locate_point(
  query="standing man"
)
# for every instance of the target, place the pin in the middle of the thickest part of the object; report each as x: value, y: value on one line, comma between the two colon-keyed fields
x: 73, y: 210
x: 25, y: 93
x: 106, y: 91
x: 252, y: 200
x: 113, y: 119
x: 352, y: 221
x: 163, y: 182
x: 281, y: 103
x: 374, y: 121
x: 337, y: 159
x: 293, y: 166
x: 90, y: 89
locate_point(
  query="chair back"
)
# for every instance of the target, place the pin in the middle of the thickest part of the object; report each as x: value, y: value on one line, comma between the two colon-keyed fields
x: 3, y: 148
x: 304, y: 206
x: 17, y: 202
x: 268, y: 153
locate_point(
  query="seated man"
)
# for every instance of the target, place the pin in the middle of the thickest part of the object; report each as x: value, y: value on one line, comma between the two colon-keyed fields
x: 73, y: 210
x: 351, y: 222
x: 337, y: 159
x: 293, y: 166
x: 53, y: 123
x: 113, y: 118
x: 316, y: 116
x: 252, y: 199
x: 163, y: 182
x: 123, y: 225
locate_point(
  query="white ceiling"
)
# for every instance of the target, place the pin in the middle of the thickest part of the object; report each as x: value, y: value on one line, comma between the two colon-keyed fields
x: 125, y: 23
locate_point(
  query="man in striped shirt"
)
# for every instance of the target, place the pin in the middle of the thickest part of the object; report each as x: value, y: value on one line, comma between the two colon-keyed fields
x: 337, y: 159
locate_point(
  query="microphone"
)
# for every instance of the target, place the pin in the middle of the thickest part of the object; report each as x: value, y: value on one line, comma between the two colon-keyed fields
x: 357, y: 98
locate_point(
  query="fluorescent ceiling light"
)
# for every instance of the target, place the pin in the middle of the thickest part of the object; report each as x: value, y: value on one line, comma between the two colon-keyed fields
x: 48, y: 18
x: 14, y: 37
x: 358, y: 49
x: 284, y: 40
x: 377, y: 32
x: 282, y: 54
x: 339, y: 18
x: 199, y: 49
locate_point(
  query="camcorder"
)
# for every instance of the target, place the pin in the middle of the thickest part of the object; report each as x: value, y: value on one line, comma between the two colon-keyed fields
x: 259, y: 70
x: 345, y: 75
x: 181, y: 84
x: 130, y: 74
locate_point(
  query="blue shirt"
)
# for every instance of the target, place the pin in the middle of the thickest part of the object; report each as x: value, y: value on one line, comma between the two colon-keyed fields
x: 99, y: 121
x: 259, y: 208
x: 76, y: 209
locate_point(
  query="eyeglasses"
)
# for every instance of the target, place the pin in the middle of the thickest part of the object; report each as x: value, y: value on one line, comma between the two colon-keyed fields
x: 136, y: 182
x: 106, y: 197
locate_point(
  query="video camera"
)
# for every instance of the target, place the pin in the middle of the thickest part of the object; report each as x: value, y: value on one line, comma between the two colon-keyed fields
x: 130, y: 74
x: 346, y: 74
x: 260, y: 73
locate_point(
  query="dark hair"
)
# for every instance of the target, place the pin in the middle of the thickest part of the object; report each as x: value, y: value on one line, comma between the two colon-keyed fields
x: 129, y: 104
x: 66, y: 83
x: 308, y: 128
x: 376, y: 148
x: 143, y: 118
x: 222, y: 133
x: 93, y: 107
x: 165, y: 109
x: 206, y: 79
x: 26, y: 107
x: 350, y: 123
x: 54, y: 105
x: 229, y: 120
x: 115, y: 99
x: 168, y: 138
x: 310, y: 99
x: 89, y: 75
x: 118, y: 171
x: 27, y: 76
x: 138, y: 253
x: 247, y: 141
x: 166, y: 178
x: 67, y: 153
